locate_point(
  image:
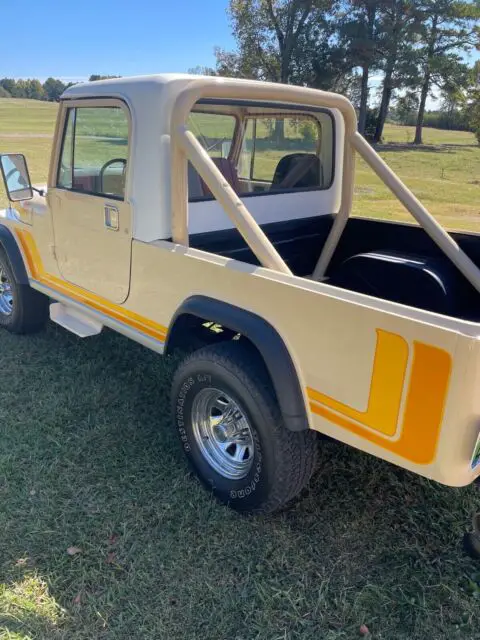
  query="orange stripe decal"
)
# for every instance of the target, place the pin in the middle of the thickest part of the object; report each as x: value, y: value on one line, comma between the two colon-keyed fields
x: 424, y: 406
x: 38, y: 273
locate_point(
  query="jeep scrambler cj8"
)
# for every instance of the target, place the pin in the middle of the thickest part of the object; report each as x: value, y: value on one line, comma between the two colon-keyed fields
x: 212, y: 216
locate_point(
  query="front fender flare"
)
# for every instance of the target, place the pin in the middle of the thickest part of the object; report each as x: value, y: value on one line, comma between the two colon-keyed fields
x: 10, y: 246
x: 269, y: 344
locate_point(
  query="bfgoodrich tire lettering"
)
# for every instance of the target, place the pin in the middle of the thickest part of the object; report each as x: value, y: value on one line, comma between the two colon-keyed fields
x: 283, y: 461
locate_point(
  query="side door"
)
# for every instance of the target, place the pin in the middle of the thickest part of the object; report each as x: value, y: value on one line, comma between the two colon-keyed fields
x: 92, y: 216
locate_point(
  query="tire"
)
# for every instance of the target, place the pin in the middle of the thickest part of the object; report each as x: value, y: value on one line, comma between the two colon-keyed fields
x: 276, y: 464
x: 22, y: 309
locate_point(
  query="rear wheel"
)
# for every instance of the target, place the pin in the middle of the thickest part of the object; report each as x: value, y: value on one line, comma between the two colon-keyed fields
x: 231, y: 429
x: 22, y: 309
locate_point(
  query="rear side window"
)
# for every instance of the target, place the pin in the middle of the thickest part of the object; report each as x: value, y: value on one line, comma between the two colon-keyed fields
x: 282, y: 153
x: 94, y: 151
x: 267, y: 152
x: 214, y: 131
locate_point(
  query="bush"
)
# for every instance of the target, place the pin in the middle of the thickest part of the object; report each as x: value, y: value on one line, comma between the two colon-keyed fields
x: 4, y: 93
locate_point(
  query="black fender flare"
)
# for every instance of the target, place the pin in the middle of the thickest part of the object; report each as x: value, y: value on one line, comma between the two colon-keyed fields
x: 10, y: 246
x: 269, y: 344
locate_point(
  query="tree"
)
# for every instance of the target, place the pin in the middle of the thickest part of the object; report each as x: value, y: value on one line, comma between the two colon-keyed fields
x: 399, y: 23
x: 358, y: 31
x: 94, y: 77
x: 34, y: 89
x: 407, y: 107
x: 448, y: 26
x: 202, y: 71
x: 472, y: 102
x: 267, y: 33
x: 4, y: 93
x: 8, y: 84
x: 53, y: 89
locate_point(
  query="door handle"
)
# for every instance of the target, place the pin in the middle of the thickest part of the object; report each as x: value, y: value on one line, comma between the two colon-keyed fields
x: 112, y: 217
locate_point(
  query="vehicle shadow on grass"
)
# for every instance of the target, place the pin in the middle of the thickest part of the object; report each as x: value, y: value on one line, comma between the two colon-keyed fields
x: 89, y: 460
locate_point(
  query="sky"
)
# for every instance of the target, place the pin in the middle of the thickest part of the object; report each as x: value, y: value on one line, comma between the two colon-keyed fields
x: 72, y: 40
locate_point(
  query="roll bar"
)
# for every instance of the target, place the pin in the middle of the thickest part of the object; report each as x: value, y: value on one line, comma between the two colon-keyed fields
x: 186, y: 147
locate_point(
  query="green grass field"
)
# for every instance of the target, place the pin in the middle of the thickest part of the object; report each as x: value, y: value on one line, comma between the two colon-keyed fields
x: 89, y: 460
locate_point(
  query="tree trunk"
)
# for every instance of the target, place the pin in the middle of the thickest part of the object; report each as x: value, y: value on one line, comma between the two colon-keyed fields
x: 362, y: 117
x: 421, y: 110
x: 384, y: 104
x: 426, y: 81
x: 284, y: 78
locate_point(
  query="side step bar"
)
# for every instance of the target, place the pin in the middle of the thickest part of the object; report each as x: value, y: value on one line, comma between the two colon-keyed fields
x: 75, y: 321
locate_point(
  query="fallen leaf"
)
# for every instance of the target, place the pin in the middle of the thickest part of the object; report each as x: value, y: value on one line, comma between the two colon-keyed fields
x: 364, y: 630
x: 110, y: 558
x: 113, y: 538
x: 77, y: 599
x: 72, y: 551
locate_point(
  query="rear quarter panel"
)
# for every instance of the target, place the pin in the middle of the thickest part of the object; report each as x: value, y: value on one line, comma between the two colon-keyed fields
x: 393, y: 381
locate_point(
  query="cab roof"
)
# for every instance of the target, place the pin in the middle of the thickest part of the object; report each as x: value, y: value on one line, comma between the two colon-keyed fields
x: 136, y: 86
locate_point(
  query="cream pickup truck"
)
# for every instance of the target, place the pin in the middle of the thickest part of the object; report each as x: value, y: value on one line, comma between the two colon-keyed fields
x: 211, y: 217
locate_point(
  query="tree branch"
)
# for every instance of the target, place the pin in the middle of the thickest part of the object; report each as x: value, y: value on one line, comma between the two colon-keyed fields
x: 273, y: 18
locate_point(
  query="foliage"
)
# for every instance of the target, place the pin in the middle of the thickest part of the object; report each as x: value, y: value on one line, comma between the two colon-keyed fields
x: 95, y: 77
x: 448, y: 27
x: 474, y: 113
x: 416, y: 44
x: 268, y: 34
x: 51, y: 89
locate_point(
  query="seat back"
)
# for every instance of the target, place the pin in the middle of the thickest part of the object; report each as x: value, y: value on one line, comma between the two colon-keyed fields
x: 297, y: 171
x: 229, y: 173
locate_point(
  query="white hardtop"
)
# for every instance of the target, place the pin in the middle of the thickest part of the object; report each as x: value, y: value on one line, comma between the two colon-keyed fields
x: 150, y: 100
x: 133, y: 88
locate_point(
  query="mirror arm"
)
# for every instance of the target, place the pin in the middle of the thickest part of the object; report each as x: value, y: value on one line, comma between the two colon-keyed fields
x: 40, y: 192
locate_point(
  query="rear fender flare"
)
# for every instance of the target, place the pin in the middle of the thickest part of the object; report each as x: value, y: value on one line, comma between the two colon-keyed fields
x: 268, y: 343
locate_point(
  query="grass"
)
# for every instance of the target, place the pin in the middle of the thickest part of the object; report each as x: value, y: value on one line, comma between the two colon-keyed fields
x: 88, y: 459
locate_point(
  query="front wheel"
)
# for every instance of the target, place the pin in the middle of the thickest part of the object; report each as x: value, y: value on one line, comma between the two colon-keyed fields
x: 231, y: 429
x: 22, y: 309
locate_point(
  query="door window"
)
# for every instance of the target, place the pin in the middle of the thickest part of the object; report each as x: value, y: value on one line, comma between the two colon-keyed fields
x: 95, y: 151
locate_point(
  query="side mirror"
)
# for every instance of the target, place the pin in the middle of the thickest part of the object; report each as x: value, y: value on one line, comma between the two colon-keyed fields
x: 15, y: 176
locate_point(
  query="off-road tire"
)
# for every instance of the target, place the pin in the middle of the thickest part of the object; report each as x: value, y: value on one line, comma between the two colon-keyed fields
x: 29, y: 311
x: 283, y: 461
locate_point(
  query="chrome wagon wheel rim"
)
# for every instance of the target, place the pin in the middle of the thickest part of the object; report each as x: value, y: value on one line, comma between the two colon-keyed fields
x: 6, y: 295
x: 223, y: 433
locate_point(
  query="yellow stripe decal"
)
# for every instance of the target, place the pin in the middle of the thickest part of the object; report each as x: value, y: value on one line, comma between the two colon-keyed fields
x: 389, y: 368
x: 424, y: 406
x: 38, y: 273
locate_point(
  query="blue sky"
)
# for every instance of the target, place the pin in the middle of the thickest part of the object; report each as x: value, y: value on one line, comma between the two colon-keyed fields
x: 73, y: 39
x: 120, y: 37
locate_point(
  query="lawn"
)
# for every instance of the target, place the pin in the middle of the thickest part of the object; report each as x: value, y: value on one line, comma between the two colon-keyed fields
x: 105, y: 535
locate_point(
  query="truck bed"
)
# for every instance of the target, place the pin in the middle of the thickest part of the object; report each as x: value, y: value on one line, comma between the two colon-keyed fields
x: 390, y: 260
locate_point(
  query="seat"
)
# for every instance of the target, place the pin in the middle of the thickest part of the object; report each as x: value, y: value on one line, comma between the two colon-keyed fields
x: 228, y: 171
x: 421, y: 282
x: 297, y: 171
x: 195, y: 188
